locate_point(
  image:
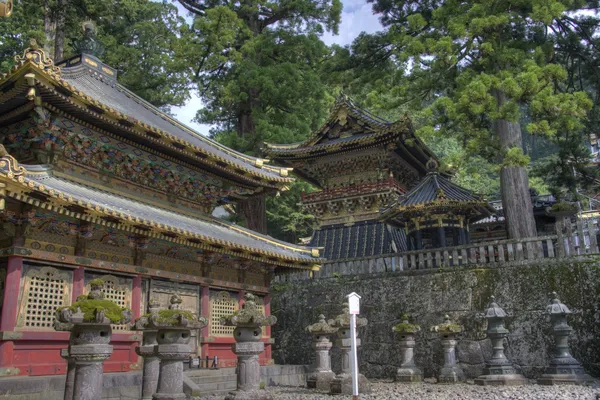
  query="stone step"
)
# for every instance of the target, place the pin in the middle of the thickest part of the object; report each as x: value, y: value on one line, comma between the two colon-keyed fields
x: 217, y: 386
x: 213, y: 379
x: 210, y: 372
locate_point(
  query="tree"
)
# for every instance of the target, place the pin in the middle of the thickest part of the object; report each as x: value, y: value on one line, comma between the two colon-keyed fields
x: 475, y: 65
x: 142, y: 40
x: 257, y: 70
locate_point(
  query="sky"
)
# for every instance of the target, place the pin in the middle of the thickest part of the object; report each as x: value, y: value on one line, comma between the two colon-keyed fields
x: 357, y: 17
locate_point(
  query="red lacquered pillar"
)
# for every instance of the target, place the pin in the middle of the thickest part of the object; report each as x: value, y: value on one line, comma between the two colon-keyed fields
x: 267, y: 301
x: 204, y: 332
x: 78, y: 283
x: 10, y: 306
x: 136, y: 297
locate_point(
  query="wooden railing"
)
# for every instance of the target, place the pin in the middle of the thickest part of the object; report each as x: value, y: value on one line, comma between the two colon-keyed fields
x: 571, y: 240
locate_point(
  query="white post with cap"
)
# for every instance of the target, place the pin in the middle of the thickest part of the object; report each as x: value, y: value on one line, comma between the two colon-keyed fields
x: 354, y: 309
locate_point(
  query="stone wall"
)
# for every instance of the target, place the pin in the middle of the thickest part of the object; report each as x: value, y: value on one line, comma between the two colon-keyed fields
x: 463, y: 294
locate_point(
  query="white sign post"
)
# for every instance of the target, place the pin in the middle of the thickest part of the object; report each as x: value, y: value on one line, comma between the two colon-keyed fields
x: 354, y: 309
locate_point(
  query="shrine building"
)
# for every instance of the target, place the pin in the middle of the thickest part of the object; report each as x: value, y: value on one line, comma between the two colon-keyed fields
x: 95, y: 182
x: 362, y: 163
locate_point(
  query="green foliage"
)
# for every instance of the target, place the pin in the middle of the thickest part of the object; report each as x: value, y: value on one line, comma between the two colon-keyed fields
x: 285, y: 219
x: 257, y: 68
x: 96, y: 282
x: 563, y: 206
x: 88, y: 307
x: 477, y: 71
x: 170, y: 316
x: 514, y: 157
x: 143, y: 40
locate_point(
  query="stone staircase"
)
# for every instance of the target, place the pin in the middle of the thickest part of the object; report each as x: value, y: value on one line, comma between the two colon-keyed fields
x: 205, y: 382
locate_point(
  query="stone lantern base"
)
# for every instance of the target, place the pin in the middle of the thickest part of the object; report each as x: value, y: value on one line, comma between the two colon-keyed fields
x: 451, y: 374
x: 409, y: 375
x: 500, y: 375
x: 565, y: 375
x: 320, y: 380
x: 342, y: 384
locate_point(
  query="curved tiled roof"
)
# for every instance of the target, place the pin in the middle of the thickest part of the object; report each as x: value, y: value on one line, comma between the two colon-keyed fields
x: 88, y: 88
x: 436, y: 190
x: 212, y: 233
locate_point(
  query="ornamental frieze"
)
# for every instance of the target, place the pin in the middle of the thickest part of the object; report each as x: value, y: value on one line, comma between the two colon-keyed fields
x: 45, y: 141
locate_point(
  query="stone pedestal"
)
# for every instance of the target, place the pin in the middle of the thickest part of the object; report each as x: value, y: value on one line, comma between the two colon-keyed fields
x: 173, y: 336
x: 171, y: 355
x: 89, y: 340
x: 342, y: 383
x: 148, y: 352
x: 247, y: 334
x: 408, y: 371
x: 563, y: 368
x: 498, y: 370
x: 70, y: 381
x: 450, y: 371
x: 248, y: 370
x: 151, y: 367
x: 320, y: 375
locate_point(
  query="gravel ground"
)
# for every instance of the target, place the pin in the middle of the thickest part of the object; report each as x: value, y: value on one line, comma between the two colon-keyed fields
x: 383, y: 390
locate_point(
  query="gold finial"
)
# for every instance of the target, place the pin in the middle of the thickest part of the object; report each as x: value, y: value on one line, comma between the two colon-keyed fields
x: 6, y: 7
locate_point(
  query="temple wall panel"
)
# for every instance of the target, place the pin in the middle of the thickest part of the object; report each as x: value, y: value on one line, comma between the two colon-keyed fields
x: 44, y: 289
x: 224, y: 273
x: 168, y: 263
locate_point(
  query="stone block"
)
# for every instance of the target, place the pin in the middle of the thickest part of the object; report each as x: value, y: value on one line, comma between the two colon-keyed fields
x: 469, y: 352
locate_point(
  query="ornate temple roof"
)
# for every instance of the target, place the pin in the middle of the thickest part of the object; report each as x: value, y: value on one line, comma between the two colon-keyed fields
x: 87, y: 90
x: 436, y: 192
x: 39, y: 186
x: 351, y: 128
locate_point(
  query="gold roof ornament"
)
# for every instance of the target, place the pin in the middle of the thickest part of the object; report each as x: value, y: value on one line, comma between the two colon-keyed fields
x: 38, y: 56
x: 6, y: 8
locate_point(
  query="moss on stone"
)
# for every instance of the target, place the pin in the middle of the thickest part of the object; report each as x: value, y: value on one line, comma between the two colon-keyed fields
x: 170, y: 316
x: 406, y: 327
x: 96, y: 282
x: 111, y: 310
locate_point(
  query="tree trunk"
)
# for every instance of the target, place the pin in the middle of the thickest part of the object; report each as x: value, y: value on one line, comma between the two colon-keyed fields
x: 49, y: 29
x: 253, y: 211
x: 514, y: 181
x: 59, y: 32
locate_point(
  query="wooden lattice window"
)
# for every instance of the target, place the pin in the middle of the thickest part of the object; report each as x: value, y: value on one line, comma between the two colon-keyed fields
x: 221, y: 305
x: 45, y: 289
x: 117, y: 290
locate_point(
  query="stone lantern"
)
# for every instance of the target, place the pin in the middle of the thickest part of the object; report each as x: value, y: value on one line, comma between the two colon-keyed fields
x: 408, y: 371
x: 498, y: 370
x: 173, y: 333
x: 247, y: 334
x: 343, y: 381
x: 449, y: 332
x: 321, y: 374
x: 147, y: 351
x: 563, y: 368
x: 88, y: 320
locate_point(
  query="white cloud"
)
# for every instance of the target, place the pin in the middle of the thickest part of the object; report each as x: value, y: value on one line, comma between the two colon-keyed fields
x: 187, y: 112
x: 357, y: 17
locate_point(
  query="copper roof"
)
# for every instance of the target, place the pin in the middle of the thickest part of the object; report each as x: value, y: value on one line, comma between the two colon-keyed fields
x: 202, y: 231
x: 437, y: 191
x: 87, y: 89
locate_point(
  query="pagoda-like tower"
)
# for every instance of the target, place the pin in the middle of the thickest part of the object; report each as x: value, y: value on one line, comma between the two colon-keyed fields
x: 361, y: 163
x: 437, y: 212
